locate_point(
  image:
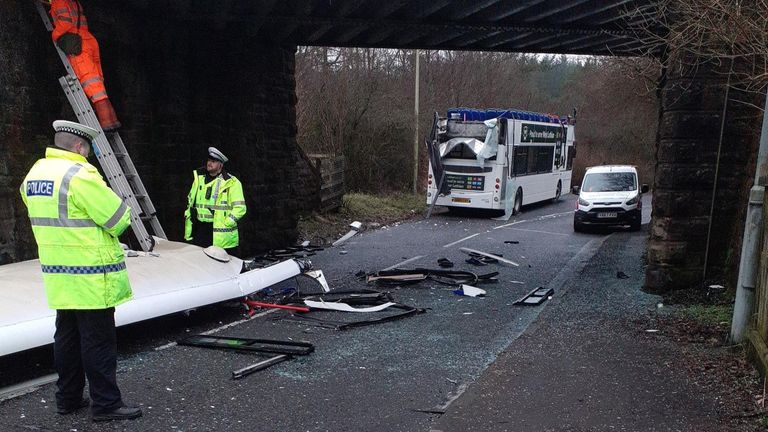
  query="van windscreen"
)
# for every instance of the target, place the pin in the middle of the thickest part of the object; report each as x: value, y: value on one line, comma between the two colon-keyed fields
x: 610, y: 182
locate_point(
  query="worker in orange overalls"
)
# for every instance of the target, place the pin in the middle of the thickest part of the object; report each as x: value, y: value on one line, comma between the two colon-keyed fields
x: 71, y: 35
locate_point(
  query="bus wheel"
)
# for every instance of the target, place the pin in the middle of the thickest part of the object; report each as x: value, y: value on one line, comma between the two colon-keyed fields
x: 558, y: 191
x: 518, y: 201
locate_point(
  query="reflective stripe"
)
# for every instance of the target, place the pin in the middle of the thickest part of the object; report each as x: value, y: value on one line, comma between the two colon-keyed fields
x: 116, y: 216
x: 101, y: 94
x: 216, y: 191
x: 234, y: 203
x: 64, y: 191
x: 109, y: 268
x: 68, y: 223
x: 225, y: 229
x: 65, y: 19
x: 62, y: 10
x: 91, y: 81
x: 211, y: 207
x: 63, y: 220
x: 233, y: 218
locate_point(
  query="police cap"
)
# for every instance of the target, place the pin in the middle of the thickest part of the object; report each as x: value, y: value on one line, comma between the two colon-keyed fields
x: 214, y: 153
x: 78, y: 129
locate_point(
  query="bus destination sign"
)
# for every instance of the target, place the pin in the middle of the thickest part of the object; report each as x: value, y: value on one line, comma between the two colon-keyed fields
x: 537, y: 133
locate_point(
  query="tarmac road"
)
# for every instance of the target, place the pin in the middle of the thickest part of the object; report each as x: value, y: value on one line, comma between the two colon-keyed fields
x: 435, y: 370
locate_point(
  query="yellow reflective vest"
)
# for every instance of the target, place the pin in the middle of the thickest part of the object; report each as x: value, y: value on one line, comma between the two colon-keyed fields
x: 220, y: 202
x: 76, y: 219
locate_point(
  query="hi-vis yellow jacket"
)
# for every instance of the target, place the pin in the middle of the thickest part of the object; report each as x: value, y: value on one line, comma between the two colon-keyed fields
x: 76, y: 219
x: 220, y: 202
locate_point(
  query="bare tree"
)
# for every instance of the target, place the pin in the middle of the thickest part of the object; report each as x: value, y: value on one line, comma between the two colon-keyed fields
x: 359, y: 103
x: 689, y: 32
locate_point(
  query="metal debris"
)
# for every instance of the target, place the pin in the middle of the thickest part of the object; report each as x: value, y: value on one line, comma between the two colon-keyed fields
x: 355, y: 228
x: 536, y: 297
x: 446, y: 277
x: 368, y: 298
x: 486, y: 254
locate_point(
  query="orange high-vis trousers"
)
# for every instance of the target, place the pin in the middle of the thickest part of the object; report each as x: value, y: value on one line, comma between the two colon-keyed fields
x: 68, y: 17
x: 87, y: 66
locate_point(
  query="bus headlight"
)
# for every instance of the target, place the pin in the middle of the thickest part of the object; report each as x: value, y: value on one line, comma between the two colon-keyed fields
x: 634, y: 200
x: 584, y: 202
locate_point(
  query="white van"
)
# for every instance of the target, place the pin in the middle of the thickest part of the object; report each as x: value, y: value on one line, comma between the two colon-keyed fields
x: 610, y: 195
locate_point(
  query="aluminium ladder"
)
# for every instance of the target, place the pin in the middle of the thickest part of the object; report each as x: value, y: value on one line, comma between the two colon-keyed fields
x: 111, y: 154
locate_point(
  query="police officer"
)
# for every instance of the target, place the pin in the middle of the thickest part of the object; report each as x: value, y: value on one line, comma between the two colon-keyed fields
x: 215, y: 205
x: 76, y: 220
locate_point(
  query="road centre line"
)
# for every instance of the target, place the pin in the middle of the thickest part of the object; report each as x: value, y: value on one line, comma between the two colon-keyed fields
x: 461, y: 240
x: 540, y: 218
x: 404, y: 262
x: 537, y: 231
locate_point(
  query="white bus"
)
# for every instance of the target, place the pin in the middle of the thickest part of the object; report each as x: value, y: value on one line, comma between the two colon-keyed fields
x: 499, y: 159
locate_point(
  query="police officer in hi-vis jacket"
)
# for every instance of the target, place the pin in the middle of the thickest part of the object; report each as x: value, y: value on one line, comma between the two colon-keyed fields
x: 76, y: 219
x: 215, y: 205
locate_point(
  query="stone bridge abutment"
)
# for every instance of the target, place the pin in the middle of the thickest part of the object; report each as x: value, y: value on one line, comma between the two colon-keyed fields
x: 705, y: 163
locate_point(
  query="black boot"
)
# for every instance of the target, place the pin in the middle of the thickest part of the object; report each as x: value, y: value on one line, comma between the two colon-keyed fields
x: 122, y: 413
x: 69, y: 409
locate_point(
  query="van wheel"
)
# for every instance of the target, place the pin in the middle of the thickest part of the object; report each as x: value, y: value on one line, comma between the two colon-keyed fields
x: 518, y: 201
x: 558, y: 192
x: 577, y: 227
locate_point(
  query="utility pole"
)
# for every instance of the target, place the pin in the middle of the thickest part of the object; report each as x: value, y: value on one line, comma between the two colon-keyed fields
x: 416, y: 128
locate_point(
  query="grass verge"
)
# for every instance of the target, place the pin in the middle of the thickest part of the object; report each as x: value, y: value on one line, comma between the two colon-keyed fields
x: 372, y: 210
x: 708, y: 314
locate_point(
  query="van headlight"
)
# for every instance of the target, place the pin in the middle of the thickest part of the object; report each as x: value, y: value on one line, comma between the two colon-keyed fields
x: 584, y: 202
x: 634, y: 200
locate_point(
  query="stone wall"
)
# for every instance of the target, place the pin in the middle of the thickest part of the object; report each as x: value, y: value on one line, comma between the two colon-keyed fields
x: 692, y: 100
x: 177, y: 88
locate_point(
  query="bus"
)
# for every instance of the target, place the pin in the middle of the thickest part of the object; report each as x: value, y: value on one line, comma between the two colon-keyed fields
x: 499, y: 159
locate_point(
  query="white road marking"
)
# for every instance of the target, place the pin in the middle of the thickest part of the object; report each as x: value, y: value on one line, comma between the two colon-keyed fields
x: 406, y: 261
x: 459, y: 241
x: 537, y: 231
x: 540, y: 218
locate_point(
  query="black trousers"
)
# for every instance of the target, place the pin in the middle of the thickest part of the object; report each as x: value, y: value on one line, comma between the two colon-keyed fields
x: 85, y: 345
x: 202, y: 235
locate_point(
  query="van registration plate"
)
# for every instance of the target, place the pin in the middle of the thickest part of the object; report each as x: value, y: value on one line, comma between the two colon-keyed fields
x: 607, y: 215
x: 461, y: 200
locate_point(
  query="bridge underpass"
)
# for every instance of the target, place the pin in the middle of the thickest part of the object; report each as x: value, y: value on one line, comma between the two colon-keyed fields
x: 184, y: 75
